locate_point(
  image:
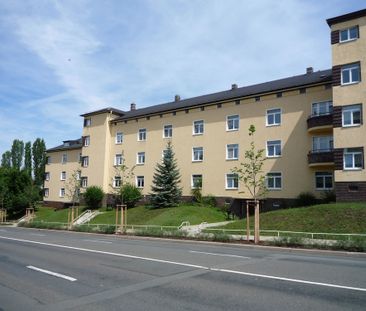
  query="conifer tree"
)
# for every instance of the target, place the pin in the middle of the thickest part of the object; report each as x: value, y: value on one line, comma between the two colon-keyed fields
x: 165, y: 189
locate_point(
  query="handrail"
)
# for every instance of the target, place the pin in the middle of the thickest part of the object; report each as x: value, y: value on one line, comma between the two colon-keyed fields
x: 184, y: 224
x: 88, y: 211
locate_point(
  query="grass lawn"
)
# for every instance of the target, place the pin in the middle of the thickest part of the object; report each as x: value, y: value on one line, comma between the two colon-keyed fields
x: 50, y: 215
x: 332, y: 218
x: 172, y: 216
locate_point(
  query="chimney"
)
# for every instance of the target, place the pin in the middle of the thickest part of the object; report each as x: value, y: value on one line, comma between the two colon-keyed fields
x: 133, y: 107
x: 234, y: 86
x: 309, y: 70
x: 176, y: 98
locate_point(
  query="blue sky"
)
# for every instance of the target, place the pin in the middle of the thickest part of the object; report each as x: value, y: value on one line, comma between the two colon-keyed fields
x: 59, y: 59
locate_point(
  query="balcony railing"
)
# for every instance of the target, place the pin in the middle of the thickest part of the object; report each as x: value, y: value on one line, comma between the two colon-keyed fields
x: 321, y: 156
x: 320, y: 120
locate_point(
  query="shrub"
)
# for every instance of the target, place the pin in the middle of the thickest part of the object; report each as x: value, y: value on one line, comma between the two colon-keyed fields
x: 305, y: 199
x: 209, y: 200
x: 93, y: 197
x: 130, y: 194
x: 328, y: 196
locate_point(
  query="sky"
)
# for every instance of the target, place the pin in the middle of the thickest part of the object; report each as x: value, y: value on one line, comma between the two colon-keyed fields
x: 59, y: 59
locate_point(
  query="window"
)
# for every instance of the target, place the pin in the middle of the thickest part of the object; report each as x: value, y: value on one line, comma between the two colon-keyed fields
x: 64, y: 158
x: 62, y: 192
x: 46, y: 192
x: 48, y: 160
x: 142, y: 135
x: 117, y: 182
x: 350, y: 74
x: 140, y: 181
x: 232, y: 181
x: 273, y: 148
x: 232, y: 152
x: 47, y: 176
x: 119, y: 138
x: 118, y: 160
x: 140, y: 158
x: 86, y: 141
x: 351, y: 115
x: 322, y: 143
x: 348, y: 34
x: 84, y: 182
x: 197, y: 154
x: 168, y: 131
x: 274, y: 181
x: 85, y: 162
x: 232, y: 123
x: 322, y: 108
x: 196, y: 181
x: 353, y: 159
x: 198, y: 127
x: 323, y: 180
x: 87, y: 122
x: 63, y: 176
x: 273, y: 117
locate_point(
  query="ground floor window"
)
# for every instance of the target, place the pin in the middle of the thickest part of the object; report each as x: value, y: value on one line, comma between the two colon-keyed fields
x: 46, y: 192
x: 117, y: 182
x: 196, y: 181
x: 232, y: 181
x: 274, y: 181
x: 62, y: 192
x: 140, y: 181
x: 324, y: 180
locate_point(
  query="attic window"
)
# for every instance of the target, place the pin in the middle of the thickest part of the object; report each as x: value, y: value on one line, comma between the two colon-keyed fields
x: 202, y: 108
x: 302, y: 90
x: 257, y: 98
x: 219, y: 105
x: 279, y: 94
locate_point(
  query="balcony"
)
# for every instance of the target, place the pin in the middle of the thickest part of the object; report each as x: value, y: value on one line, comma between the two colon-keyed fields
x: 320, y: 122
x: 321, y: 157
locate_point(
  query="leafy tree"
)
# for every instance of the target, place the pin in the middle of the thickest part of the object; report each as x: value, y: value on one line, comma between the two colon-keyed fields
x: 28, y: 158
x: 39, y: 161
x: 250, y: 172
x: 93, y: 197
x: 130, y: 194
x: 125, y: 175
x: 6, y: 159
x: 72, y: 187
x: 17, y: 153
x: 165, y: 189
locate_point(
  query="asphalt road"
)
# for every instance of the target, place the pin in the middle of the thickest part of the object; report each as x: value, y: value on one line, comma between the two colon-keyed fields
x: 49, y: 270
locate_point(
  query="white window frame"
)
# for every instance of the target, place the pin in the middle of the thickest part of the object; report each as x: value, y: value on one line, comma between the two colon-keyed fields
x: 232, y: 123
x: 141, y: 135
x: 119, y: 138
x: 231, y: 181
x: 46, y: 192
x: 64, y: 158
x: 62, y: 193
x: 63, y: 175
x: 316, y: 108
x: 273, y: 112
x: 84, y: 182
x: 87, y: 122
x: 353, y: 152
x: 48, y: 160
x: 275, y: 146
x: 275, y: 176
x: 140, y: 182
x: 168, y: 131
x: 47, y: 176
x: 352, y: 109
x: 117, y: 182
x: 348, y: 30
x: 86, y: 141
x: 323, y: 176
x: 198, y: 125
x: 140, y: 158
x: 118, y: 159
x: 349, y: 68
x: 85, y: 161
x: 193, y: 179
x: 232, y: 151
x: 197, y: 154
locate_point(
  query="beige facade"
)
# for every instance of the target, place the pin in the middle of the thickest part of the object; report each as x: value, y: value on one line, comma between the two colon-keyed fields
x: 294, y: 123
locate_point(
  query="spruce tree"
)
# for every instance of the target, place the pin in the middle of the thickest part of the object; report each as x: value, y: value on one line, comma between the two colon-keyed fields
x: 165, y: 189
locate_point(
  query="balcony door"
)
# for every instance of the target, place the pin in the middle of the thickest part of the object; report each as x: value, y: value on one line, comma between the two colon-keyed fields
x: 322, y: 143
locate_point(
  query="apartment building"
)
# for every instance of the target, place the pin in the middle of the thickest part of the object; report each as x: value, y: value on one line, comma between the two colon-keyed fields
x: 310, y: 125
